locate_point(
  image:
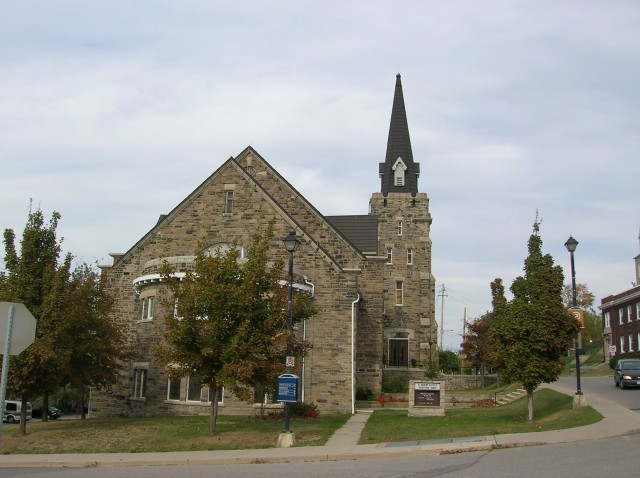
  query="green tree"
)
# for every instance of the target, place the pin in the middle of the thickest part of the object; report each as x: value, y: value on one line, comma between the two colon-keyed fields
x: 35, y: 278
x: 449, y: 361
x: 229, y: 323
x: 96, y: 346
x: 530, y: 333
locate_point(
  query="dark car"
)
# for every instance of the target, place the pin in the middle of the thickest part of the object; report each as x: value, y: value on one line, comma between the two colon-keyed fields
x: 54, y: 413
x: 627, y: 373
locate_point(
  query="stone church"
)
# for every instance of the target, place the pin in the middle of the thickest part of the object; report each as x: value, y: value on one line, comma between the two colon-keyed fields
x: 368, y: 275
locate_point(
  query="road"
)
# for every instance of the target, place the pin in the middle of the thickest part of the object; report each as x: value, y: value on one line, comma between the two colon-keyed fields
x: 593, y: 458
x: 604, y: 387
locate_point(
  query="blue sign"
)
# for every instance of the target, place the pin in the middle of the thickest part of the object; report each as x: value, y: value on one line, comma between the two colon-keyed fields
x: 288, y: 388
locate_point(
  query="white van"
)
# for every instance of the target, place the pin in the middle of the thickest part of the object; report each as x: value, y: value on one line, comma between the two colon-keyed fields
x: 12, y: 409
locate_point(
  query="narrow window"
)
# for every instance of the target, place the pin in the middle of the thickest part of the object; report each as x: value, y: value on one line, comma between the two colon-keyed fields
x: 151, y: 305
x: 399, y: 228
x: 607, y: 319
x: 148, y: 306
x: 638, y: 311
x: 194, y: 390
x: 173, y: 389
x: 622, y: 344
x: 228, y: 202
x: 399, y: 169
x: 139, y: 383
x: 399, y: 292
x: 398, y: 352
x: 630, y: 343
x: 409, y: 256
x: 629, y: 314
x: 621, y: 315
x: 389, y: 255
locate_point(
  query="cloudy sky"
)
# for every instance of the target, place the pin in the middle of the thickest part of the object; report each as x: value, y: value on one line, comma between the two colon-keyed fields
x: 112, y: 112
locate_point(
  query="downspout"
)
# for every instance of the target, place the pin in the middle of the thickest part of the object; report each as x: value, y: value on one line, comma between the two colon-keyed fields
x: 353, y: 374
x: 304, y: 336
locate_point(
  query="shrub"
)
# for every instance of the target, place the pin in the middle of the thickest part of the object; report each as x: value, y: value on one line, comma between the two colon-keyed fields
x: 395, y: 385
x: 614, y: 360
x: 304, y: 410
x: 364, y: 393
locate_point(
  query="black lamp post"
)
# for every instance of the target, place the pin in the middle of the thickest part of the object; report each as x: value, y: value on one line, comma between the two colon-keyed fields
x: 571, y: 245
x: 291, y: 243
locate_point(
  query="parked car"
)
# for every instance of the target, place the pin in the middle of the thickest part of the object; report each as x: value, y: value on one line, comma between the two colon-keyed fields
x: 12, y: 409
x: 627, y: 373
x: 54, y: 413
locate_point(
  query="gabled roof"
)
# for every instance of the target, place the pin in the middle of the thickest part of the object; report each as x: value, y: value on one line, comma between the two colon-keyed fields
x: 399, y: 146
x: 361, y: 231
x: 303, y: 209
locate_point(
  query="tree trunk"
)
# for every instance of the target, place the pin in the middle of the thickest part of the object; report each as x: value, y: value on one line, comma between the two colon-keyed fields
x: 213, y: 415
x: 85, y: 400
x: 530, y: 405
x: 45, y: 408
x: 23, y: 416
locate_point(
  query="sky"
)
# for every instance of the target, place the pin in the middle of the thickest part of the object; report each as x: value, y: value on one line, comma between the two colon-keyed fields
x: 113, y: 112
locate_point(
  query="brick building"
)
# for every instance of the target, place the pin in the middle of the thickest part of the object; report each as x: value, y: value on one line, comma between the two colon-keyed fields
x: 369, y: 276
x: 621, y: 319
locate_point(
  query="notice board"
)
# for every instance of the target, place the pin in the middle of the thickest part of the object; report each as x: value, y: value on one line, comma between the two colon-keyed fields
x: 426, y: 394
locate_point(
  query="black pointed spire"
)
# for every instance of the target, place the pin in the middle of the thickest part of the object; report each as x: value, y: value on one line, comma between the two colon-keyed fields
x: 399, y: 173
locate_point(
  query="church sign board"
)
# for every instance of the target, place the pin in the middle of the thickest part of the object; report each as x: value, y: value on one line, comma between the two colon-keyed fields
x: 426, y: 398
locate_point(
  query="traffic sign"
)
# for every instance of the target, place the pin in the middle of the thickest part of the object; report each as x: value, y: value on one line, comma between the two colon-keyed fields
x: 23, y: 331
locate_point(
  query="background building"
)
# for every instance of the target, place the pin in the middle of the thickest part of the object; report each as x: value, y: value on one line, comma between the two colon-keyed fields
x: 369, y: 276
x: 621, y: 319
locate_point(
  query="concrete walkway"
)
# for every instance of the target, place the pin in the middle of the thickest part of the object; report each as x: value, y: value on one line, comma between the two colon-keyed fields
x: 343, y: 445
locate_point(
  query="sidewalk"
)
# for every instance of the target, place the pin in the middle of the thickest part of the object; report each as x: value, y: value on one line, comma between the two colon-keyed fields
x: 343, y: 445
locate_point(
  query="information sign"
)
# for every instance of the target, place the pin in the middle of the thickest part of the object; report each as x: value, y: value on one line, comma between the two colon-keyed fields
x: 288, y: 388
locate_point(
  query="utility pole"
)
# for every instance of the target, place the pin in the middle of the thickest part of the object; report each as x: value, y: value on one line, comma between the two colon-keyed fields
x: 442, y: 295
x: 464, y: 325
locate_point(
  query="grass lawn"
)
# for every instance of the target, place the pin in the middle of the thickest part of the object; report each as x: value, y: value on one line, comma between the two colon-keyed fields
x: 552, y: 411
x: 162, y: 434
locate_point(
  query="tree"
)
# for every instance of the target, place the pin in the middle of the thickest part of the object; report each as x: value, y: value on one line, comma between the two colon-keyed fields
x: 228, y: 328
x: 530, y: 333
x: 449, y: 361
x: 97, y: 346
x: 475, y: 347
x: 36, y: 279
x: 74, y: 342
x: 584, y: 297
x: 591, y: 333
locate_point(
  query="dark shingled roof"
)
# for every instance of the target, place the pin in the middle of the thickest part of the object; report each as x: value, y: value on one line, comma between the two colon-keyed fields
x: 361, y: 231
x: 399, y: 146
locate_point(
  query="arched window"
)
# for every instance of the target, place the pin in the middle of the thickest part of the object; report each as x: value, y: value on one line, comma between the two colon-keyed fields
x: 223, y: 247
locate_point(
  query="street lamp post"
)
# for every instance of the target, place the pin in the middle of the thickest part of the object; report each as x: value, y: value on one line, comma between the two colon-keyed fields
x: 291, y: 243
x: 579, y: 400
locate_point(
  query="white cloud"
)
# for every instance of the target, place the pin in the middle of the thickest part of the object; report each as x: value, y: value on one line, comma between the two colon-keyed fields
x: 113, y: 112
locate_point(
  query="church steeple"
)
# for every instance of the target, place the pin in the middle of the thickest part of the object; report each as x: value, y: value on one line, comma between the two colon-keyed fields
x: 399, y: 174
